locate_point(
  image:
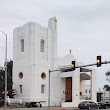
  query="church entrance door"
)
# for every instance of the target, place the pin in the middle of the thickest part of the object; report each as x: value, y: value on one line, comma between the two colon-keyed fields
x: 69, y: 89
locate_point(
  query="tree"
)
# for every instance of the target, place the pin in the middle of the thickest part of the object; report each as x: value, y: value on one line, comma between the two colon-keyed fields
x: 107, y: 75
x: 107, y: 87
x: 10, y: 92
x: 2, y: 85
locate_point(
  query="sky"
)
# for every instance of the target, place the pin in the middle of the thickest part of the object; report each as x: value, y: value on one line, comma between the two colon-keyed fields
x: 83, y: 27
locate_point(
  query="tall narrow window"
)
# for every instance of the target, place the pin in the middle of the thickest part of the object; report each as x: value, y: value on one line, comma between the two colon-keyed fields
x: 20, y: 89
x: 22, y: 45
x: 42, y: 88
x: 42, y: 45
x: 86, y: 90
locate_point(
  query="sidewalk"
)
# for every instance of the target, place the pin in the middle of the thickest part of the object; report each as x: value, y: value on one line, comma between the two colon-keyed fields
x: 43, y: 108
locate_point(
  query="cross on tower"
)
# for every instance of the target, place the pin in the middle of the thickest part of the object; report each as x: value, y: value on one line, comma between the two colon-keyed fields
x: 70, y: 51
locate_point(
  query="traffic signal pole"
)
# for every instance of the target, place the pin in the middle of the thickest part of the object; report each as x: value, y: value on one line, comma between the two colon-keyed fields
x: 105, y: 62
x: 49, y: 86
x: 49, y: 90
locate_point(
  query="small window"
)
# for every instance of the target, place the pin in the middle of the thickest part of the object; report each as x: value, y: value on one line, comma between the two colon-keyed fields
x: 42, y: 45
x: 22, y: 45
x: 89, y: 91
x: 20, y: 89
x: 86, y: 91
x: 42, y: 88
x: 80, y: 93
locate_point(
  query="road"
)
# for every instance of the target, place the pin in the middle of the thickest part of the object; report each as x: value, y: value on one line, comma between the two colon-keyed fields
x: 46, y: 108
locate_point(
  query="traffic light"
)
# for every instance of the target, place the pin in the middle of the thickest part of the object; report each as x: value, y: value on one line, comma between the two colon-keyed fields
x: 98, y: 61
x: 73, y: 65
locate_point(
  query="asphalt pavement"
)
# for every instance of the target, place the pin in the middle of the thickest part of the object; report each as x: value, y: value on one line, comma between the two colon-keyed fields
x: 43, y: 108
x: 47, y: 108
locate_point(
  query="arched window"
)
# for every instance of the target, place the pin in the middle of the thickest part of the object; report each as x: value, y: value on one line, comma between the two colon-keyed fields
x: 22, y: 45
x: 20, y: 89
x: 42, y: 45
x: 43, y: 89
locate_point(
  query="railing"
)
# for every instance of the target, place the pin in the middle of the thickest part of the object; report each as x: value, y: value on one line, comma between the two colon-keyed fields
x: 63, y: 99
x: 105, y: 99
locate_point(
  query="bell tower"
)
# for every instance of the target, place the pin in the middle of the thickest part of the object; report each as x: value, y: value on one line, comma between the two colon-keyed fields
x: 52, y: 27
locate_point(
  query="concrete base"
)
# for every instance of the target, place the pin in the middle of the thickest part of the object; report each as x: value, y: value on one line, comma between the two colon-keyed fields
x: 69, y: 104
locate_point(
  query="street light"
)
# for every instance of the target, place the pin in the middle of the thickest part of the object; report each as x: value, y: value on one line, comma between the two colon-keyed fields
x: 5, y: 70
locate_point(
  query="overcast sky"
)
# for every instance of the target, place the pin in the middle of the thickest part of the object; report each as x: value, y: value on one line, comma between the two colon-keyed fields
x: 83, y: 27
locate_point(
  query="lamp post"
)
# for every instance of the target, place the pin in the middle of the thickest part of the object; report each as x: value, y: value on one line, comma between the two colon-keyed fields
x: 49, y: 90
x: 5, y: 105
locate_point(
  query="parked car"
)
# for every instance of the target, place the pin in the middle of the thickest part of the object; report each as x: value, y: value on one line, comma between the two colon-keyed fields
x: 104, y: 105
x: 88, y: 105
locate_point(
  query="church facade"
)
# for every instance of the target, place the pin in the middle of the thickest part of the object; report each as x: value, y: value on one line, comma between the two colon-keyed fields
x: 34, y: 53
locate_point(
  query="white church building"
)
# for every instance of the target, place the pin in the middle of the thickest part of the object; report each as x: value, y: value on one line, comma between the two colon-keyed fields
x: 34, y: 53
